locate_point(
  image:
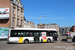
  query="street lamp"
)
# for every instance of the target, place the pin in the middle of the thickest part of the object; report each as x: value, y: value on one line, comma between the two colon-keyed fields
x: 49, y: 25
x: 40, y: 20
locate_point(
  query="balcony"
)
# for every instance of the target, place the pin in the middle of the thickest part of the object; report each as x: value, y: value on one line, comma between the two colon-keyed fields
x: 17, y: 3
x: 13, y: 1
x: 21, y: 6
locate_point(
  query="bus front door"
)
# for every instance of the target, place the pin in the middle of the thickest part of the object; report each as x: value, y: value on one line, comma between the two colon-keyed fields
x: 36, y: 36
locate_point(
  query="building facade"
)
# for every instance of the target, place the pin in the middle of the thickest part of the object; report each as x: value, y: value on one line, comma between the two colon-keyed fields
x: 11, y: 13
x: 29, y: 24
x: 54, y: 26
x: 44, y: 26
x: 64, y: 30
x: 47, y: 26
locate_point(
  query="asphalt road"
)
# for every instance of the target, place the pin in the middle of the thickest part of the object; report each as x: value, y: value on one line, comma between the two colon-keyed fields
x: 61, y: 44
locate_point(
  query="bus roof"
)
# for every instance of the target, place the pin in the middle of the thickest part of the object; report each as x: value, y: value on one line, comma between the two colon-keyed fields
x: 33, y: 29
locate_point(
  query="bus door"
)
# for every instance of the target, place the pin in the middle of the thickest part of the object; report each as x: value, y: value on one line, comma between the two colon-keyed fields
x: 36, y: 36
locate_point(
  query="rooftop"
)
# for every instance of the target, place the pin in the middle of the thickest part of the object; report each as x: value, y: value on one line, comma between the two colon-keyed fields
x: 53, y: 24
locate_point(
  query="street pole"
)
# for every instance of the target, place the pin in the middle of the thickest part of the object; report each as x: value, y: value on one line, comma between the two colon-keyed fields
x: 40, y: 20
x: 49, y: 25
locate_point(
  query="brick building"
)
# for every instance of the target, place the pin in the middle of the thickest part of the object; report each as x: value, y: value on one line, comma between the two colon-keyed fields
x: 11, y: 13
x: 73, y: 28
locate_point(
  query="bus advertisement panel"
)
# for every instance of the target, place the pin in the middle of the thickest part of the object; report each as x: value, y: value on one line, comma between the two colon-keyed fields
x: 44, y: 37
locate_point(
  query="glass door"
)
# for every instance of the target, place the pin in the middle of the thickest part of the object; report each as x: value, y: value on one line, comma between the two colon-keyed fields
x: 36, y: 36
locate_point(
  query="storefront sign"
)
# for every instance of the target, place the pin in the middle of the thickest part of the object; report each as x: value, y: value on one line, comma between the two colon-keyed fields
x: 4, y: 16
x: 4, y: 13
x: 2, y: 10
x: 3, y: 32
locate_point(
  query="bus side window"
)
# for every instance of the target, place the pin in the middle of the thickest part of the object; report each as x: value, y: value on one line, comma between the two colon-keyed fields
x: 14, y: 34
x: 19, y: 34
x: 31, y: 33
x: 22, y: 34
x: 40, y: 34
x: 47, y: 34
x: 50, y: 34
x: 53, y: 34
x: 27, y: 34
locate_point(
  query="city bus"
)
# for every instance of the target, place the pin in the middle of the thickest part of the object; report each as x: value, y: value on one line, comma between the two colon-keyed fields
x: 26, y: 35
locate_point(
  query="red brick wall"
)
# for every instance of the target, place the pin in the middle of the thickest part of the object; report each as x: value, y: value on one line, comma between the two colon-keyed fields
x: 73, y: 28
x: 5, y: 4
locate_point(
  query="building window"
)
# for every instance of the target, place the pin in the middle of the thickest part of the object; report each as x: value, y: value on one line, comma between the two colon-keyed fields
x: 17, y: 21
x: 13, y: 21
x: 21, y: 13
x: 21, y: 22
x: 13, y: 10
x: 18, y: 3
x: 18, y: 12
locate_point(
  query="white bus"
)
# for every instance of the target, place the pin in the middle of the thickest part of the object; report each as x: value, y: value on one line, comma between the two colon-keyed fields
x: 26, y: 35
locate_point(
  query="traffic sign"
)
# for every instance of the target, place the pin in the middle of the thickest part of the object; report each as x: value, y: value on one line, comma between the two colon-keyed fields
x: 68, y: 33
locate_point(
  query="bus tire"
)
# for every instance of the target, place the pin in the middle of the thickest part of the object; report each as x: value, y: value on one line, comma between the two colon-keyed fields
x: 26, y: 41
x: 49, y: 41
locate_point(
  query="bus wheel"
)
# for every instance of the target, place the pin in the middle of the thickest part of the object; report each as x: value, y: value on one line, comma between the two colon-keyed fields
x: 48, y: 40
x: 26, y: 41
